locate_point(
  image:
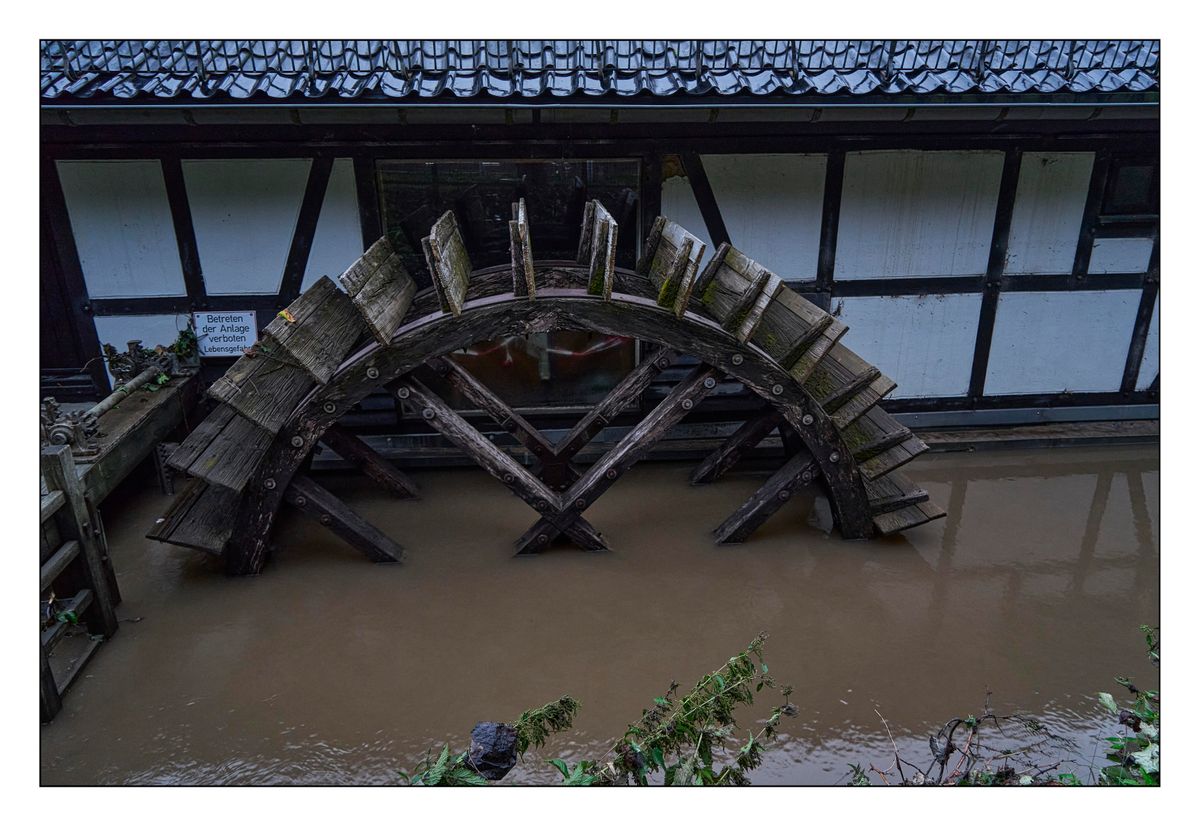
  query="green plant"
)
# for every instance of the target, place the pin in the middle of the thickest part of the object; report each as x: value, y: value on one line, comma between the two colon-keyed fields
x: 685, y: 738
x: 1133, y: 758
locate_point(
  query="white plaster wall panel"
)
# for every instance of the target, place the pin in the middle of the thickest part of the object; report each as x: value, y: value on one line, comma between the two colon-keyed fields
x: 244, y: 213
x: 122, y: 226
x: 771, y: 206
x: 679, y: 205
x: 1050, y: 342
x: 1120, y: 255
x: 1051, y: 195
x: 337, y: 242
x: 1149, y: 368
x: 924, y: 343
x: 913, y: 213
x: 152, y: 330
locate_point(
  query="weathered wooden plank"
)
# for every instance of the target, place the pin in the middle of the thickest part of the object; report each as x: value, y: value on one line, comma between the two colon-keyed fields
x: 872, y: 439
x: 846, y: 386
x: 796, y: 472
x: 750, y: 433
x: 790, y: 327
x: 521, y: 248
x: 893, y: 492
x: 375, y: 467
x: 598, y: 249
x: 132, y: 431
x: 58, y: 469
x: 905, y: 518
x: 737, y: 291
x: 673, y: 265
x: 224, y: 450
x: 804, y: 366
x: 51, y: 502
x: 449, y: 264
x: 623, y: 455
x: 198, y: 518
x: 499, y: 464
x: 200, y: 438
x: 381, y: 289
x: 56, y: 564
x: 316, y: 331
x: 315, y: 501
x: 263, y: 388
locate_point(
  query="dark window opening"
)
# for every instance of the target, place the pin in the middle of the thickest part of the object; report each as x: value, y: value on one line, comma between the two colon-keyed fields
x: 556, y: 369
x: 1131, y: 189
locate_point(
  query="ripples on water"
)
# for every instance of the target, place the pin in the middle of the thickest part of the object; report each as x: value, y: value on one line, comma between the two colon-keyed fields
x: 328, y: 670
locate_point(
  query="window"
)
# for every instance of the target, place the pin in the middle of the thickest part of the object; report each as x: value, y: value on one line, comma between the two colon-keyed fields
x: 555, y: 369
x: 1131, y: 190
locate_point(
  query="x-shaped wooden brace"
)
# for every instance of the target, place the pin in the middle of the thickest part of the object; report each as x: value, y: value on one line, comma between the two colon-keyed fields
x: 441, y: 417
x: 554, y: 461
x: 623, y: 455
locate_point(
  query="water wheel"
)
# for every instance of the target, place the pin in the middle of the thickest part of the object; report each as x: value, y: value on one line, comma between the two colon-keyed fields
x: 331, y: 348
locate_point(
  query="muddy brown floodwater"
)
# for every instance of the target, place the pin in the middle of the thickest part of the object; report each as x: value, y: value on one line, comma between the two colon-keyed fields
x: 328, y: 669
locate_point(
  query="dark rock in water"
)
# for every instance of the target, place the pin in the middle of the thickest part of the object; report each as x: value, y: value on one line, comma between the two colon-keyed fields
x: 493, y: 750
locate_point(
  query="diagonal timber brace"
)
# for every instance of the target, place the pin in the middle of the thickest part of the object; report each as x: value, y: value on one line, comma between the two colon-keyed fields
x: 622, y: 456
x: 442, y: 418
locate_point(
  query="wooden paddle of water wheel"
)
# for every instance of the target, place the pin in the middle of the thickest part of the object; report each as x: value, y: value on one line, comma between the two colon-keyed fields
x: 330, y: 349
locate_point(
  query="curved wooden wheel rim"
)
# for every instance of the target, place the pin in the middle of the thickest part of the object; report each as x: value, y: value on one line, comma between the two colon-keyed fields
x: 631, y: 314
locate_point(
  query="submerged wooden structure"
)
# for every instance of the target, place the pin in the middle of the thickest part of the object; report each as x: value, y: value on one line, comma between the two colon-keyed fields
x: 329, y: 349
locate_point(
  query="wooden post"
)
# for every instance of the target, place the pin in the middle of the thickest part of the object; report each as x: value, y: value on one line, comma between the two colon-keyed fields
x: 51, y: 700
x: 58, y: 469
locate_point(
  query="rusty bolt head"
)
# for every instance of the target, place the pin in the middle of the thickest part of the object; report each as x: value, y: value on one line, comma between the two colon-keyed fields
x: 542, y: 539
x: 687, y: 404
x: 297, y: 441
x: 508, y: 478
x: 269, y: 483
x: 776, y: 389
x: 580, y: 503
x: 301, y: 501
x: 372, y: 373
x: 738, y: 358
x: 611, y: 473
x: 428, y: 413
x: 710, y: 383
x: 835, y: 456
x: 785, y: 494
x: 806, y: 419
x: 541, y: 504
x: 663, y: 364
x: 404, y: 392
x: 806, y: 476
x: 330, y: 407
x: 325, y: 520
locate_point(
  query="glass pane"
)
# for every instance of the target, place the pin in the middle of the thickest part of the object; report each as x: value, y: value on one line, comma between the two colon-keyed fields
x: 561, y: 368
x: 1131, y: 191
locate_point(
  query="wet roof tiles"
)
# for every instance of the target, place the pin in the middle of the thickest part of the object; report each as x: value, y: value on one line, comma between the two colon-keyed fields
x: 322, y: 71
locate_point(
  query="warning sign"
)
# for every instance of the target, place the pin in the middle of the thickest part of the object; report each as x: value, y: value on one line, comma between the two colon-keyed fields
x: 226, y: 333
